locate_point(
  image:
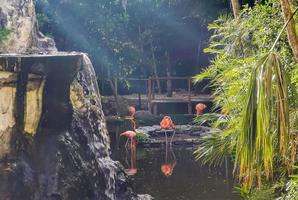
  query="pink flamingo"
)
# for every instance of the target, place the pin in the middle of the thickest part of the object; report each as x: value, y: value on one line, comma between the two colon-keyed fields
x: 131, y: 135
x: 200, y: 107
x: 167, y: 124
x: 132, y: 170
x: 131, y: 111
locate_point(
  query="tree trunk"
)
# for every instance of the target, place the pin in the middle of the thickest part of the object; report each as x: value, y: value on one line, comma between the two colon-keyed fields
x: 114, y: 89
x: 291, y: 32
x: 169, y: 82
x: 154, y: 66
x: 236, y: 7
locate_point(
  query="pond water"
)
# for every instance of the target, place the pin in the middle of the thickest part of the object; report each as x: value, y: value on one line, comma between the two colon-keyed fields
x: 173, y: 174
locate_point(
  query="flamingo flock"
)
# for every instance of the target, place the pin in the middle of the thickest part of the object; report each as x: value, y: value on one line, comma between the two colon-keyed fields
x: 167, y: 125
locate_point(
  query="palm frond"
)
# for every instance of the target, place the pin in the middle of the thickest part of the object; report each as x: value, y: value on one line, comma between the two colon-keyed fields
x: 266, y: 117
x: 214, y: 147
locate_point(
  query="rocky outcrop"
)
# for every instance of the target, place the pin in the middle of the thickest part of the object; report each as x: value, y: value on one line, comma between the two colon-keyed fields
x: 18, y: 16
x: 184, y: 134
x: 54, y: 141
x: 110, y: 107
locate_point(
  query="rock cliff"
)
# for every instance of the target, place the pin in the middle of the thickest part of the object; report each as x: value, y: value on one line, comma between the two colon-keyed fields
x: 18, y: 16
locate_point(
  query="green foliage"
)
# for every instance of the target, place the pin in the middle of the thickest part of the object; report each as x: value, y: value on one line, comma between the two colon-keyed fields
x: 42, y: 19
x: 239, y: 47
x: 291, y: 188
x: 118, y: 37
x: 215, y: 120
x: 4, y: 33
x: 140, y: 137
x: 214, y: 147
x: 263, y: 194
x: 265, y: 125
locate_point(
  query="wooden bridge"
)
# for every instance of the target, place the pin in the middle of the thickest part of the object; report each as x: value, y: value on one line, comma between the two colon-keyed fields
x: 153, y: 98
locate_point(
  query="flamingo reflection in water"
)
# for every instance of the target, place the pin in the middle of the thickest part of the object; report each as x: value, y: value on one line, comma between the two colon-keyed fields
x: 168, y: 167
x: 132, y: 170
x: 167, y: 125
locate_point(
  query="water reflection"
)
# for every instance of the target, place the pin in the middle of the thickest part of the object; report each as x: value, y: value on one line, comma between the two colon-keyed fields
x: 131, y: 155
x: 187, y: 180
x: 171, y: 173
x: 170, y: 162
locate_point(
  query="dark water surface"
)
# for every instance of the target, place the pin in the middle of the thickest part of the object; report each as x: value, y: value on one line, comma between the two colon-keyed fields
x: 189, y: 180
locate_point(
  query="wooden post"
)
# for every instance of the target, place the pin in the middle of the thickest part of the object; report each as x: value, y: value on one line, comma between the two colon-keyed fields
x: 116, y: 86
x: 153, y: 88
x: 189, y: 96
x: 149, y: 93
x: 155, y: 108
x: 113, y: 87
x: 140, y: 101
x: 168, y: 73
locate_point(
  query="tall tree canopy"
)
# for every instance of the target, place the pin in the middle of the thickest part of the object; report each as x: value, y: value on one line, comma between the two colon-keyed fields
x: 119, y: 35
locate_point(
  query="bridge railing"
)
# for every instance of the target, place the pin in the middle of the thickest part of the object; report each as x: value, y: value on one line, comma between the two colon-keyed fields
x: 152, y: 105
x: 154, y: 97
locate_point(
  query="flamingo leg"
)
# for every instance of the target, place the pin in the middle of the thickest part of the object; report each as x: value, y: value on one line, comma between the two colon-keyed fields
x: 126, y: 143
x: 172, y: 137
x: 134, y: 157
x: 131, y: 158
x: 166, y: 153
x: 131, y: 144
x: 166, y: 138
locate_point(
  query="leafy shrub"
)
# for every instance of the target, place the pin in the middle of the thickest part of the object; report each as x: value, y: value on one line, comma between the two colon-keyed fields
x: 237, y: 46
x: 140, y: 137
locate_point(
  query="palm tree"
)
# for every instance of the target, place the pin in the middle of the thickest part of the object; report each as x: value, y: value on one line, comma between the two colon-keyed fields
x: 236, y: 7
x: 264, y: 139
